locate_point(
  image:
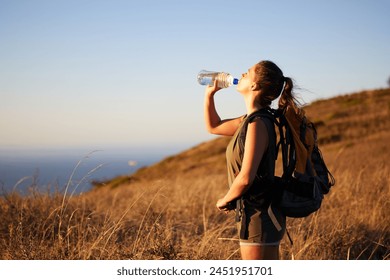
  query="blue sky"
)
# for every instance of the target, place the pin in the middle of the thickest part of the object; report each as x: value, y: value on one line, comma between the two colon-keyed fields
x: 100, y: 74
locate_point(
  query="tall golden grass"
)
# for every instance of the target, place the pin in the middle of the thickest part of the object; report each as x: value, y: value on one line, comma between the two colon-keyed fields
x: 167, y: 211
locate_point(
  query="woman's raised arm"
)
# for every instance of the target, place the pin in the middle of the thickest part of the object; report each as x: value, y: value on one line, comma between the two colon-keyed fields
x: 213, y: 122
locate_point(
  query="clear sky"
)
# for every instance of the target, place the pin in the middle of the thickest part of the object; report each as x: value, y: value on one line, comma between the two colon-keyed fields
x: 100, y: 74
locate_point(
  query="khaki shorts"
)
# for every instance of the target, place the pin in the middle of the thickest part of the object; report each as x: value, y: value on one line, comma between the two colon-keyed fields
x: 256, y: 227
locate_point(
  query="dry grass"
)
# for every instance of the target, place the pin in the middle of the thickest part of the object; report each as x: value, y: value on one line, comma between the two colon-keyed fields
x: 167, y: 211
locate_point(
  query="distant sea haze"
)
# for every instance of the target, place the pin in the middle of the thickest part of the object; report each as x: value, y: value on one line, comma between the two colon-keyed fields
x: 54, y: 170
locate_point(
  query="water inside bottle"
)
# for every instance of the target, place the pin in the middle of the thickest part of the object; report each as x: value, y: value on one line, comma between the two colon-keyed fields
x: 205, y: 81
x: 206, y: 77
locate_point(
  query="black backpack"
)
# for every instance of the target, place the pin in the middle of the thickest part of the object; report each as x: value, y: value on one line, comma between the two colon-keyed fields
x: 306, y: 179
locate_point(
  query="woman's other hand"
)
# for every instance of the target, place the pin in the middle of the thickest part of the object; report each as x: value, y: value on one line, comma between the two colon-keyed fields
x: 222, y: 205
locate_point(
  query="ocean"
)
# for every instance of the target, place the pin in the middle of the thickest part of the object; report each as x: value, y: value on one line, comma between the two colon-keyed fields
x: 55, y: 170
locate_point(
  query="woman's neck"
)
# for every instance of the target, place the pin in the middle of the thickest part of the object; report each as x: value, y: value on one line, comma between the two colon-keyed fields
x: 251, y: 104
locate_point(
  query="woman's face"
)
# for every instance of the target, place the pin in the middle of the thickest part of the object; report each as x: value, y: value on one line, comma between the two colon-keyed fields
x: 247, y: 81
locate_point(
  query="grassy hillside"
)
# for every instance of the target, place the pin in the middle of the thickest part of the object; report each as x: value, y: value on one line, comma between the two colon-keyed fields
x: 167, y: 210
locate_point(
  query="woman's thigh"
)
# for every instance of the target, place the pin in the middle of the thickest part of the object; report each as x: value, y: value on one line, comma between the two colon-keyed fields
x: 259, y: 252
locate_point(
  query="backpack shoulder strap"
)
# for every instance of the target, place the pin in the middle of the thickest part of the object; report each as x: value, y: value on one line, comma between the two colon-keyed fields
x: 268, y: 116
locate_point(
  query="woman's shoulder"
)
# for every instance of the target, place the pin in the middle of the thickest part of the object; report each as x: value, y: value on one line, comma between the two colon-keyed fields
x: 261, y: 126
x: 257, y: 124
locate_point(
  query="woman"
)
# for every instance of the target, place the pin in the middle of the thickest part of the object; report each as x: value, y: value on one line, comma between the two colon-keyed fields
x: 248, y: 168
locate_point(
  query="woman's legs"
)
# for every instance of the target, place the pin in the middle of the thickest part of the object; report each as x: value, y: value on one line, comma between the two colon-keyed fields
x: 259, y: 252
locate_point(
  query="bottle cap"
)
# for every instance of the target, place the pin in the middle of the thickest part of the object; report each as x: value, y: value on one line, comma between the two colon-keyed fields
x: 235, y: 81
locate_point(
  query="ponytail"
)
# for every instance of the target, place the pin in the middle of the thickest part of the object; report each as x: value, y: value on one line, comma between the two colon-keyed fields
x: 287, y: 98
x: 273, y: 84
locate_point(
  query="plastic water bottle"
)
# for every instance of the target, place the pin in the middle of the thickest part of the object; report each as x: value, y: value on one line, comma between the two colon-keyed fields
x: 224, y: 79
